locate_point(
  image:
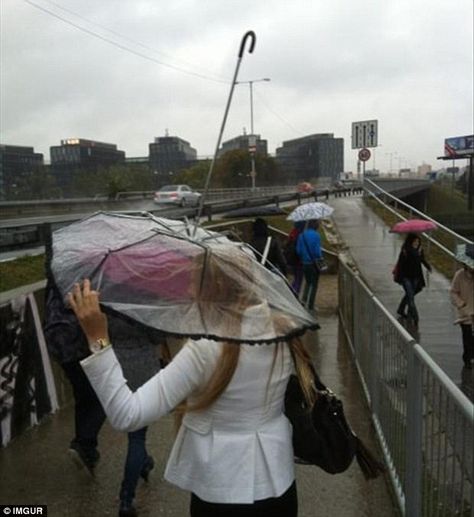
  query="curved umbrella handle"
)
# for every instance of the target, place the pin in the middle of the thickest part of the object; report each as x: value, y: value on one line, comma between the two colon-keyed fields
x: 248, y: 34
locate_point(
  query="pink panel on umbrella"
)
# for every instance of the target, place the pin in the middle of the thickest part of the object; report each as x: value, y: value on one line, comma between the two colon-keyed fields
x: 413, y: 226
x: 163, y: 273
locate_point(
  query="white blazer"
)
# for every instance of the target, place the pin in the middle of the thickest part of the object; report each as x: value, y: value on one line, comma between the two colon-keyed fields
x: 236, y: 451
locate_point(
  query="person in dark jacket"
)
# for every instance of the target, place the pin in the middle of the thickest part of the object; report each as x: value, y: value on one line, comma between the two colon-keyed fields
x: 136, y: 348
x: 292, y: 258
x: 260, y: 235
x: 410, y: 275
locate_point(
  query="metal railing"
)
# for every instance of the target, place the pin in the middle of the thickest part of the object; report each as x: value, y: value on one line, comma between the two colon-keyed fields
x: 424, y: 422
x: 382, y: 197
x: 220, y: 193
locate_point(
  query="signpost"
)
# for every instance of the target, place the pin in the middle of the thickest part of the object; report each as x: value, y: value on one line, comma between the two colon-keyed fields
x: 364, y: 155
x: 364, y: 135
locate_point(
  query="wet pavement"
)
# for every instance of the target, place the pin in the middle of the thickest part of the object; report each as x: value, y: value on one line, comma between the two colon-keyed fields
x: 35, y: 468
x: 375, y: 252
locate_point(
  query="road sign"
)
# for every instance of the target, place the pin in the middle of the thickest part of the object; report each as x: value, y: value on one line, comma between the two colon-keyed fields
x: 364, y: 134
x: 364, y: 155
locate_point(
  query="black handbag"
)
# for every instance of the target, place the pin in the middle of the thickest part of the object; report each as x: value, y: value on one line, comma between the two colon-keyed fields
x: 321, y: 434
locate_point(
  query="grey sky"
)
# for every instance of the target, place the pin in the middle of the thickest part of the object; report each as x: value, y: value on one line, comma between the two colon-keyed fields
x: 407, y: 63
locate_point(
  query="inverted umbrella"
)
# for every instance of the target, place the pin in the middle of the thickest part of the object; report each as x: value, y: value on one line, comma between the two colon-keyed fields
x: 413, y: 226
x: 153, y: 271
x: 311, y: 211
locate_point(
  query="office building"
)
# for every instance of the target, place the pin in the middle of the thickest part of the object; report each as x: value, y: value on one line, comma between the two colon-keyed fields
x: 169, y: 155
x: 311, y: 158
x: 76, y: 155
x: 244, y: 142
x: 17, y: 164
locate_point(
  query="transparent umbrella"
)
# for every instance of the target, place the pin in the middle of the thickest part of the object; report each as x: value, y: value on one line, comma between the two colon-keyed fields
x: 151, y: 270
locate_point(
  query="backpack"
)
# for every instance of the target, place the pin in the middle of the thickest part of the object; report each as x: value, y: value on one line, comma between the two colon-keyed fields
x: 289, y: 252
x: 396, y: 273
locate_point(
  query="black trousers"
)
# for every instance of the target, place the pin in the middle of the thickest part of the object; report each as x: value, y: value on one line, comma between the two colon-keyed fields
x: 468, y: 343
x: 284, y: 506
x: 88, y: 412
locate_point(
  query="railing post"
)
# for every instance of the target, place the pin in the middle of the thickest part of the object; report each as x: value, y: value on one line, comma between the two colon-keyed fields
x: 209, y: 212
x: 375, y: 366
x: 414, y: 438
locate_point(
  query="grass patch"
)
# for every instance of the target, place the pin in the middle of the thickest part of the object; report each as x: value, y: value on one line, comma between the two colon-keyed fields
x: 443, y: 199
x: 21, y: 271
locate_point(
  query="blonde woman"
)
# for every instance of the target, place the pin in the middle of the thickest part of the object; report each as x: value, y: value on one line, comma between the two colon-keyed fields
x: 233, y: 450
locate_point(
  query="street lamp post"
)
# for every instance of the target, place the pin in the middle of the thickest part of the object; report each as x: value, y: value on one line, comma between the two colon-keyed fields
x: 253, y: 172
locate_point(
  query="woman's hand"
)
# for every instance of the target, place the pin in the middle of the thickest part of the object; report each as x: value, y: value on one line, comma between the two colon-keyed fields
x: 85, y: 304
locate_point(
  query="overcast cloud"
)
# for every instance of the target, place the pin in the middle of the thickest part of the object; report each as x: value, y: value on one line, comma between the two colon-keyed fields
x: 407, y: 63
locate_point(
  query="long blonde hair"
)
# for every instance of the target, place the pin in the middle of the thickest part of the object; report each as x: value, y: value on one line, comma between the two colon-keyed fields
x: 218, y: 285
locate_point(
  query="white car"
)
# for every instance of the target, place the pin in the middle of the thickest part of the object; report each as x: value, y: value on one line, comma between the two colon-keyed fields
x: 181, y: 195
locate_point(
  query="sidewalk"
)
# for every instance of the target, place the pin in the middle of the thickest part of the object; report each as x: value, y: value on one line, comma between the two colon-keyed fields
x: 375, y: 252
x: 34, y: 468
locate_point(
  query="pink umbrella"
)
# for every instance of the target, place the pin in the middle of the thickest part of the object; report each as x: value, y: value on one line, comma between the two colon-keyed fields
x: 413, y: 226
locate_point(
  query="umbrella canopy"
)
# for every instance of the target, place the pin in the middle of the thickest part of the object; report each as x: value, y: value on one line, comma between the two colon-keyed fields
x: 151, y: 270
x: 465, y: 254
x: 311, y: 211
x: 413, y: 226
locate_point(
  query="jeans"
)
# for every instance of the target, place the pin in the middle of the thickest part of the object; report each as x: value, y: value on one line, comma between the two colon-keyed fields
x: 136, y: 458
x: 410, y: 287
x: 311, y: 276
x: 284, y: 506
x: 88, y: 412
x: 297, y: 279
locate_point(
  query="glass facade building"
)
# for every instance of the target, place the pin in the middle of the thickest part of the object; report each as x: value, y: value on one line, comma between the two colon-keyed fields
x: 17, y: 164
x: 75, y: 155
x: 311, y: 157
x: 242, y: 142
x: 168, y: 155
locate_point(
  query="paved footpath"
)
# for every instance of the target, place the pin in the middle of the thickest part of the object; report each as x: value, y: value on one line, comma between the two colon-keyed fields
x: 375, y: 251
x: 34, y: 468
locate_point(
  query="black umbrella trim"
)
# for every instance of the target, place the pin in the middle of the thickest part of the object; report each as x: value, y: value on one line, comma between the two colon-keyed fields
x: 195, y: 337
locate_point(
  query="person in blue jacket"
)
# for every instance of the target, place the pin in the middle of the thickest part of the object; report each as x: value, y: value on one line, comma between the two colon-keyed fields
x: 308, y: 248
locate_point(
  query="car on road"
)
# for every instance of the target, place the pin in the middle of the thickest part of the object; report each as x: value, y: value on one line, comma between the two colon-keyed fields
x: 181, y: 195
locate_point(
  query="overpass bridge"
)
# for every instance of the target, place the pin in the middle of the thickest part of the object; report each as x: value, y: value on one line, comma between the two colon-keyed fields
x: 26, y: 224
x: 414, y: 191
x: 402, y: 388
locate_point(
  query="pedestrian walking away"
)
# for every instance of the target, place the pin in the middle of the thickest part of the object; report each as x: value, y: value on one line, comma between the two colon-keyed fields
x: 308, y: 247
x: 138, y: 349
x: 233, y: 450
x: 462, y: 297
x: 408, y: 273
x: 260, y: 237
x: 292, y: 258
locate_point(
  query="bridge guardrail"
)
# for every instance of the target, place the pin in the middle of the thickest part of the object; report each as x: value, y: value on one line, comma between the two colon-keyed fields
x: 382, y: 196
x: 423, y: 421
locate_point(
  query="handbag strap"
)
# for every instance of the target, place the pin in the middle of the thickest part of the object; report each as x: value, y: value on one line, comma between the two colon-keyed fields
x: 317, y: 381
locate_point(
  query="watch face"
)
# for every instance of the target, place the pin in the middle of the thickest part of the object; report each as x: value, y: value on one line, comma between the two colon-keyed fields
x: 98, y: 345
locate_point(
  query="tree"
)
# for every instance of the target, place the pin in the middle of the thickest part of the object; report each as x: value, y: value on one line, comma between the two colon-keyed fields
x: 114, y: 179
x: 195, y: 176
x: 39, y: 184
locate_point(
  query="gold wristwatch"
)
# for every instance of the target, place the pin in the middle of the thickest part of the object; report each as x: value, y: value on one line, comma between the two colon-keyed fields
x: 98, y: 345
